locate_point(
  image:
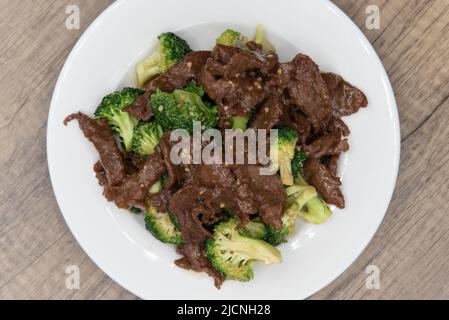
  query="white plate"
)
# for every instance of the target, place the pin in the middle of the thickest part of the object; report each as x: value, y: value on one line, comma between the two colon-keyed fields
x: 117, y: 241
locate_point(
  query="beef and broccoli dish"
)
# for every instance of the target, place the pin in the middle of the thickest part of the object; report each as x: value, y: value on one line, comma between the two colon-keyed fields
x: 224, y: 217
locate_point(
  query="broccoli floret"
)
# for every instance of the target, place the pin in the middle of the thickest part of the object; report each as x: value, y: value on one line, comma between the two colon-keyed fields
x: 161, y: 227
x: 233, y: 254
x: 135, y: 210
x: 276, y: 237
x: 298, y: 161
x: 174, y: 220
x: 164, y: 180
x: 178, y: 110
x: 282, y: 152
x: 255, y: 229
x: 193, y: 88
x: 146, y: 137
x: 171, y: 50
x: 307, y: 203
x: 261, y: 39
x: 111, y: 108
x: 231, y: 37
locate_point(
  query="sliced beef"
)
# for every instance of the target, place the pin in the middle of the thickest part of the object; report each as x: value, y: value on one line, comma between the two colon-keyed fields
x: 336, y: 125
x: 345, y: 99
x: 178, y: 174
x: 185, y: 208
x: 141, y: 108
x: 160, y: 200
x: 181, y: 74
x: 235, y: 78
x: 332, y: 164
x: 270, y: 114
x: 99, y: 133
x: 303, y: 126
x: 237, y: 61
x: 309, y: 92
x: 326, y: 145
x: 280, y: 78
x: 265, y: 193
x: 325, y: 182
x: 253, y: 46
x: 132, y: 192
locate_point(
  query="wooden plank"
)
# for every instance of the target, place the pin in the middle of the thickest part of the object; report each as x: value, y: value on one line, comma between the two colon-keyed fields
x: 409, y: 248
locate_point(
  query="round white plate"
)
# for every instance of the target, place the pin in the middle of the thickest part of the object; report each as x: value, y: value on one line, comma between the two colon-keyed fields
x: 103, y: 60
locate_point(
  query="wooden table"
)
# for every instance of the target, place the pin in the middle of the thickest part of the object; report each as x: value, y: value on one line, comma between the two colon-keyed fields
x: 411, y: 248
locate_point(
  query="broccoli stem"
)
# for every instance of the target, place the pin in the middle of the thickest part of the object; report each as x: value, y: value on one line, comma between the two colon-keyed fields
x: 155, y: 188
x: 317, y: 211
x: 303, y: 195
x: 286, y: 171
x: 260, y: 32
x: 148, y: 68
x: 239, y: 122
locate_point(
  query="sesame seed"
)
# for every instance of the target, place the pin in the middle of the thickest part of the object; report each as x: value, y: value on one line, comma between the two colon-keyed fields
x: 270, y: 56
x: 222, y: 205
x: 189, y: 64
x: 266, y: 109
x: 225, y: 108
x: 231, y: 83
x: 161, y: 108
x: 237, y: 75
x: 259, y: 79
x: 279, y: 71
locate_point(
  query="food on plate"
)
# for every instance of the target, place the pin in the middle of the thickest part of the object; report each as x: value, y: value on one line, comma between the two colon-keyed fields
x: 224, y: 217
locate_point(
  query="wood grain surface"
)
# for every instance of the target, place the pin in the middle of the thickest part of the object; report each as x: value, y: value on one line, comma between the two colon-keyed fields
x: 411, y: 248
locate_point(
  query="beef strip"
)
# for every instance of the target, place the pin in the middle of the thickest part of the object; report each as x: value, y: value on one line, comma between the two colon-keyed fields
x: 345, y: 98
x: 325, y: 182
x: 280, y: 78
x: 178, y: 174
x: 265, y: 193
x: 160, y: 200
x: 253, y: 46
x: 184, y: 206
x: 234, y: 78
x: 236, y: 61
x: 270, y: 114
x: 303, y: 127
x: 326, y: 145
x: 309, y: 92
x: 180, y: 74
x: 141, y: 108
x: 99, y: 133
x: 337, y: 125
x: 332, y: 164
x: 132, y: 192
